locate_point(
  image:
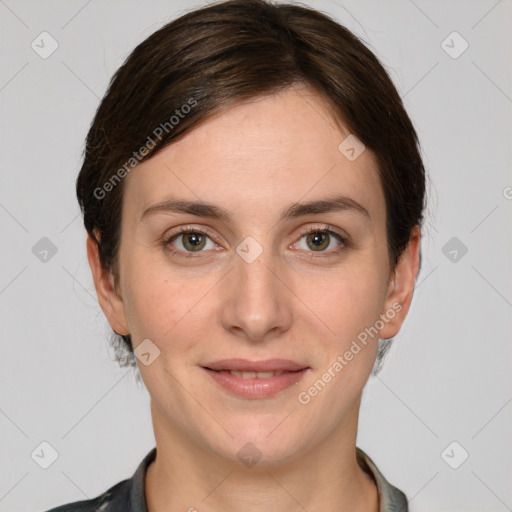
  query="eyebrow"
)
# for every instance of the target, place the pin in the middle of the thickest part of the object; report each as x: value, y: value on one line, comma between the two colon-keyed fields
x: 209, y: 210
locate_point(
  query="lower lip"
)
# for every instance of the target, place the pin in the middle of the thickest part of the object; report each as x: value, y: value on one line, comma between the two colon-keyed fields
x: 256, y: 388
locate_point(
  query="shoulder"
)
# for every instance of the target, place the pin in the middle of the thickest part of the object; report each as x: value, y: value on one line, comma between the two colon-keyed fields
x: 391, y: 498
x: 125, y: 496
x: 117, y: 498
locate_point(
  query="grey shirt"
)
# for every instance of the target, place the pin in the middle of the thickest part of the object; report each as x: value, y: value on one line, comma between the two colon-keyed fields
x: 128, y: 495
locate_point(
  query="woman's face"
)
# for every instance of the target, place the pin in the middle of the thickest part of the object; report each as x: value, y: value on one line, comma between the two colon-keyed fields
x: 248, y: 285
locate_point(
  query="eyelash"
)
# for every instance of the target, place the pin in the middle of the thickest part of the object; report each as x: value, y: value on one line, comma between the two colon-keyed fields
x: 181, y: 231
x: 324, y: 229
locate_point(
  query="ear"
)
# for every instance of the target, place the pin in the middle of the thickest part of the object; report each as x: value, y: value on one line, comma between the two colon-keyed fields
x: 401, y: 287
x: 110, y: 301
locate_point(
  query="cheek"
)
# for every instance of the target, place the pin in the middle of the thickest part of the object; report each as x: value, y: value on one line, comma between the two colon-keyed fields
x: 345, y: 303
x: 349, y: 304
x: 161, y: 307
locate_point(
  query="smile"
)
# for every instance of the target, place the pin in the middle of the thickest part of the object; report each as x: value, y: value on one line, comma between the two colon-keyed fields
x: 254, y: 375
x: 255, y: 379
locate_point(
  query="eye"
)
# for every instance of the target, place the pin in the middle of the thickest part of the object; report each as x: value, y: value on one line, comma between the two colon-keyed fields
x: 320, y: 240
x: 189, y: 240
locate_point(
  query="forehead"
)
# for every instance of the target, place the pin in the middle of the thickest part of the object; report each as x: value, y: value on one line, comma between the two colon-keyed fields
x: 268, y: 151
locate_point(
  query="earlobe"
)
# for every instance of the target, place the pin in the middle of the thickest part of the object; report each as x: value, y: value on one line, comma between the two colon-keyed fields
x: 401, y: 287
x: 110, y: 301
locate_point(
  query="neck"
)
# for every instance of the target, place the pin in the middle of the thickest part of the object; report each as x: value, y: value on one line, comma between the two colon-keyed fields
x: 189, y: 477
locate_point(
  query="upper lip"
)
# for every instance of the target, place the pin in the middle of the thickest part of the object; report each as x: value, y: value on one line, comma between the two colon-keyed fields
x: 244, y: 365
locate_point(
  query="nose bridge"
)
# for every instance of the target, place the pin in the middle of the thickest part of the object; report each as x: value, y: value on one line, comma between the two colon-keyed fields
x: 257, y: 302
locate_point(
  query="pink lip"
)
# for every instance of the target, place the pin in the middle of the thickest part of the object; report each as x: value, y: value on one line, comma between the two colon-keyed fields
x: 255, y: 388
x: 244, y: 365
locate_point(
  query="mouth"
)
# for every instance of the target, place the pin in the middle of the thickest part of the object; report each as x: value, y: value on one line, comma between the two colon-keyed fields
x: 255, y: 379
x: 253, y: 375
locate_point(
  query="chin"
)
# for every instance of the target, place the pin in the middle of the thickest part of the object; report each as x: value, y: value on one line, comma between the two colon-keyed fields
x: 262, y: 444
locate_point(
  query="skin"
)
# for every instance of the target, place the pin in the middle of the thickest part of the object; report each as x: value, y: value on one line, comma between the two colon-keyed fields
x: 292, y: 302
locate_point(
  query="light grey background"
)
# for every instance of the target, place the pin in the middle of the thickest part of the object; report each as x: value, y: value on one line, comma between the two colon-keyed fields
x: 448, y: 376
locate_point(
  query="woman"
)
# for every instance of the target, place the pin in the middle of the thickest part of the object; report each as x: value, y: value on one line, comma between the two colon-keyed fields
x: 253, y: 193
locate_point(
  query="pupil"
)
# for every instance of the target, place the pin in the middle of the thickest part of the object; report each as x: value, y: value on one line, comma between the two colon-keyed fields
x: 319, y: 240
x: 194, y: 241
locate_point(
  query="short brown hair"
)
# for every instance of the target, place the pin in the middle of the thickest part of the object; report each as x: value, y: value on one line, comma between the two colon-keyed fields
x: 220, y: 55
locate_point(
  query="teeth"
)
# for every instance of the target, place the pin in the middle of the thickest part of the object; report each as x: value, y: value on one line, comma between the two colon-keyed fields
x: 255, y: 375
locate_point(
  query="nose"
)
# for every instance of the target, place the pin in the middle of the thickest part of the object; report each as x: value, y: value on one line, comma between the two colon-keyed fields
x: 257, y: 301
